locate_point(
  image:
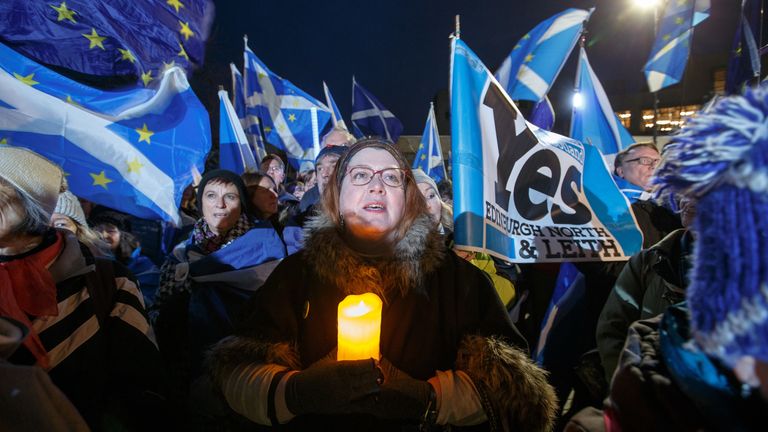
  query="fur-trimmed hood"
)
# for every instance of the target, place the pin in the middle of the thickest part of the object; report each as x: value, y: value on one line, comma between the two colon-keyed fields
x: 415, y: 256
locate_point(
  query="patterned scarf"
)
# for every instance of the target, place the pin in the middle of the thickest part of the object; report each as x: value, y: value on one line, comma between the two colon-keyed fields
x: 27, y: 288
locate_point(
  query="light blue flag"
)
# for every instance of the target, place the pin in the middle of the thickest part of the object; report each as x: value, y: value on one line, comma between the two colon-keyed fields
x: 251, y: 124
x: 523, y: 194
x: 429, y: 157
x: 593, y: 120
x: 670, y: 51
x: 135, y: 151
x: 370, y: 117
x: 537, y: 58
x: 234, y: 152
x: 291, y: 119
x: 335, y: 113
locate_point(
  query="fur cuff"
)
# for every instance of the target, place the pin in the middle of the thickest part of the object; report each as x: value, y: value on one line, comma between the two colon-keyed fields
x: 514, y: 391
x: 233, y: 351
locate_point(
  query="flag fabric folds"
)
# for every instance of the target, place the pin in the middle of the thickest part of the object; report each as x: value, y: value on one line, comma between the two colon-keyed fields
x: 594, y: 121
x: 291, y: 119
x: 370, y: 117
x: 336, y: 117
x: 537, y: 58
x: 251, y: 124
x: 234, y: 152
x: 523, y: 194
x: 429, y: 157
x: 670, y: 51
x: 543, y: 114
x: 134, y: 151
x: 744, y: 62
x: 142, y: 38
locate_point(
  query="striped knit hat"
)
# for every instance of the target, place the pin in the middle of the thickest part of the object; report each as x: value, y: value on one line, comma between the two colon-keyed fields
x: 69, y: 206
x: 721, y: 159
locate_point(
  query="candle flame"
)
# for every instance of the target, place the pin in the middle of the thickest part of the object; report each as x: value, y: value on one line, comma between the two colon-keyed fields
x: 357, y: 310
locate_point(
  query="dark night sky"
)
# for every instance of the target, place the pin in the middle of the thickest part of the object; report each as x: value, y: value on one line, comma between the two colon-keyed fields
x: 399, y: 49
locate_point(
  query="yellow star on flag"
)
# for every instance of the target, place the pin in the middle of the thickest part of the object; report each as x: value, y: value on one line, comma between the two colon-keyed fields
x: 64, y: 13
x: 4, y: 141
x: 183, y: 53
x: 185, y: 30
x: 280, y: 128
x: 679, y: 20
x: 95, y: 39
x: 292, y: 117
x: 28, y: 80
x: 516, y: 47
x: 167, y: 66
x: 666, y: 37
x: 134, y: 166
x: 126, y: 55
x: 145, y: 134
x: 267, y: 129
x: 421, y: 146
x: 176, y: 4
x: 527, y: 36
x: 528, y: 58
x: 261, y: 75
x: 146, y: 77
x: 423, y: 157
x: 72, y: 101
x: 101, y: 179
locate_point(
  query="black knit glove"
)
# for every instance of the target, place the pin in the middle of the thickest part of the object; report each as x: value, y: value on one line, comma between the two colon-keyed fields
x: 401, y: 397
x: 329, y: 386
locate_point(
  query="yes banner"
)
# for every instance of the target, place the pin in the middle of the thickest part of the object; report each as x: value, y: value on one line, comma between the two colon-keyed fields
x: 524, y: 194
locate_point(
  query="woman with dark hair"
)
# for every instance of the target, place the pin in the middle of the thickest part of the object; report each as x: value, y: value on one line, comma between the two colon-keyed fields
x: 262, y: 195
x: 449, y: 352
x: 207, y: 279
x: 88, y: 328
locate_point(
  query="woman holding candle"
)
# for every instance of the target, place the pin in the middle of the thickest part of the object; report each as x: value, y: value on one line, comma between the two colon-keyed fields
x: 447, y: 347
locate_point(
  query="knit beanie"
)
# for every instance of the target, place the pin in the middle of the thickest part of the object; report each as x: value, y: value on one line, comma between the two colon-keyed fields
x: 120, y: 220
x: 720, y: 158
x: 421, y: 177
x: 32, y: 174
x: 69, y: 206
x: 227, y: 177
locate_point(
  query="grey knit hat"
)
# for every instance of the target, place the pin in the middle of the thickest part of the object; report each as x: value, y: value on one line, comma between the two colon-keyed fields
x: 32, y: 174
x: 421, y: 177
x: 69, y: 206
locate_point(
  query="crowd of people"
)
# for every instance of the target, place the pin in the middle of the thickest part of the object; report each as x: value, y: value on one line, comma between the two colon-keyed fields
x: 235, y: 326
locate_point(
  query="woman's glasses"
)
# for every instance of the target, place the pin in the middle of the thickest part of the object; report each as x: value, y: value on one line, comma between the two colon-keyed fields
x: 361, y: 176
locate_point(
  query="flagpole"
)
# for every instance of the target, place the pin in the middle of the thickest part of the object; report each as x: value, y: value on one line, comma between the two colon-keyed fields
x: 457, y: 25
x: 656, y: 93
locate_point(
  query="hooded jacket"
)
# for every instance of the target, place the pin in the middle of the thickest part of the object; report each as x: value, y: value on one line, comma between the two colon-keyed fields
x: 440, y: 313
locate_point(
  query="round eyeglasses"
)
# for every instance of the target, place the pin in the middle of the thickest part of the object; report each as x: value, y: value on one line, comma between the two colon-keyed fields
x: 647, y: 161
x: 361, y: 176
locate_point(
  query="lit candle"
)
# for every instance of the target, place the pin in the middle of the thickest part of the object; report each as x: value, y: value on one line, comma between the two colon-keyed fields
x: 359, y: 327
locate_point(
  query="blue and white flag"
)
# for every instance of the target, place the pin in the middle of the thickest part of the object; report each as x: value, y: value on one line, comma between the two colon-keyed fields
x: 335, y: 113
x: 429, y: 157
x: 134, y: 151
x: 370, y: 117
x: 593, y: 120
x: 291, y: 119
x: 523, y: 194
x: 744, y: 63
x: 251, y: 124
x: 142, y: 38
x: 543, y: 114
x: 670, y: 51
x: 234, y: 152
x: 537, y: 58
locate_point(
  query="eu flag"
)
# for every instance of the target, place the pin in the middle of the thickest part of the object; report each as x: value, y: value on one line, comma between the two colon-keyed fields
x: 535, y: 61
x: 251, y: 124
x: 141, y: 38
x: 135, y: 151
x: 429, y: 157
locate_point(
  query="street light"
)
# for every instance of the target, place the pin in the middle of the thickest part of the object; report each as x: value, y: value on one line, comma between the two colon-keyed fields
x: 647, y: 4
x: 578, y: 100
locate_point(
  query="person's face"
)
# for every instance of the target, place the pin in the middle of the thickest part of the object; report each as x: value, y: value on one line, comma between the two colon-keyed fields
x: 638, y: 166
x: 336, y: 138
x: 59, y: 220
x: 109, y: 233
x: 264, y: 197
x: 433, y: 201
x: 221, y: 206
x: 11, y: 211
x: 372, y: 211
x: 324, y: 169
x: 276, y: 171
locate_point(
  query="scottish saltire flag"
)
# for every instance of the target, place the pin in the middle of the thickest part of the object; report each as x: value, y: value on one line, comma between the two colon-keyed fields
x: 335, y: 113
x: 234, y: 152
x: 535, y: 61
x: 429, y: 156
x: 670, y: 51
x: 291, y: 119
x: 744, y: 62
x: 543, y: 114
x: 523, y: 194
x: 133, y: 150
x: 141, y: 38
x: 251, y: 124
x: 370, y: 117
x: 593, y: 120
